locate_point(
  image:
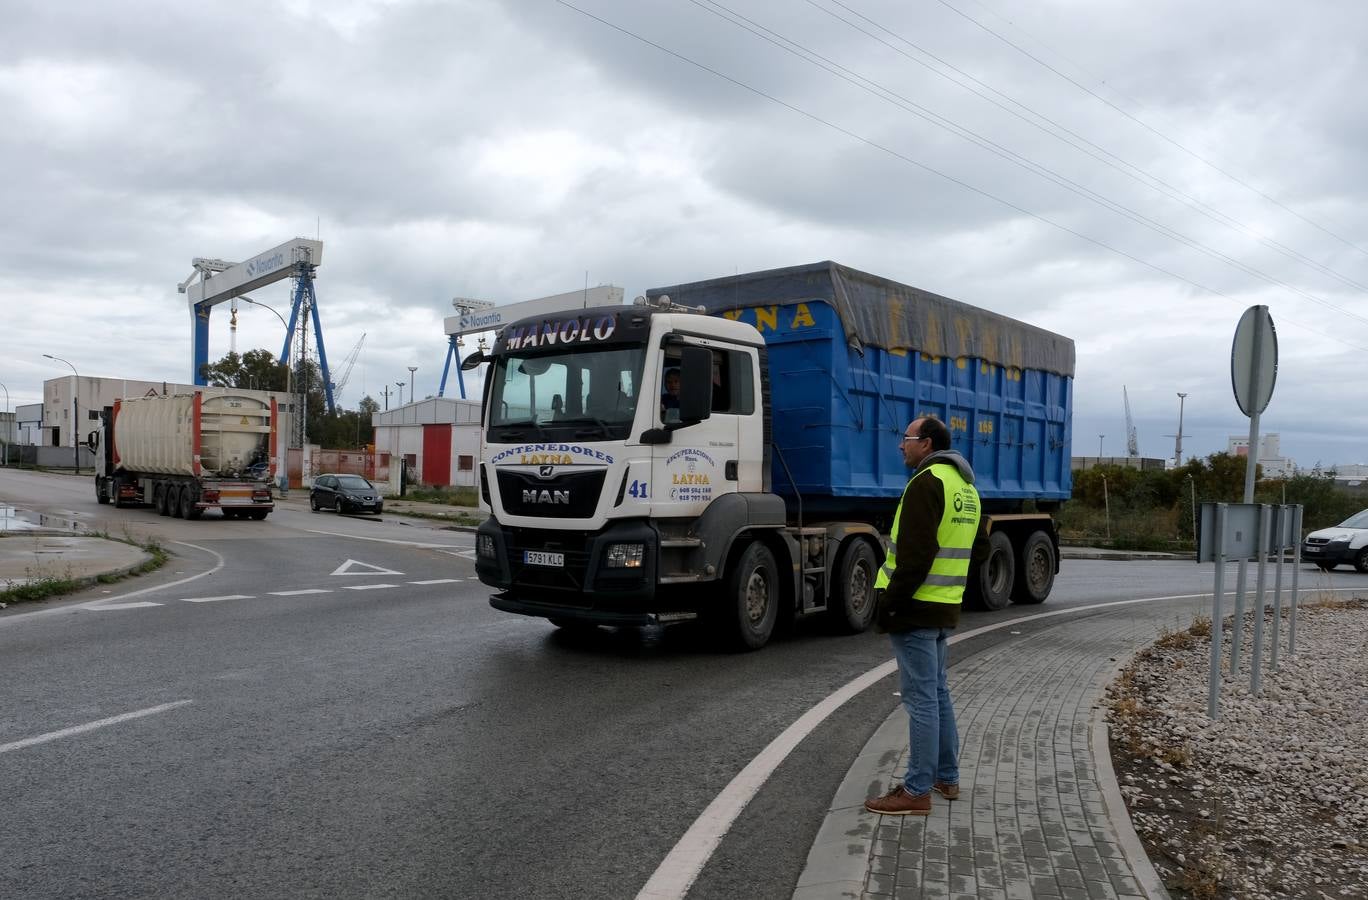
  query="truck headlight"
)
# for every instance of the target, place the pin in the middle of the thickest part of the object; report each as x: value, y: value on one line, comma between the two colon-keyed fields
x: 484, y: 545
x: 625, y: 556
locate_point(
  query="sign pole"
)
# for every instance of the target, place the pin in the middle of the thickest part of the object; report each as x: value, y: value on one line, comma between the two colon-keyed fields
x: 1256, y: 662
x: 1283, y: 519
x: 1214, y: 677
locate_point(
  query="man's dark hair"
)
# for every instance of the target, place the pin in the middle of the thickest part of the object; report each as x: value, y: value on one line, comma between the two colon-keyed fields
x: 935, y: 429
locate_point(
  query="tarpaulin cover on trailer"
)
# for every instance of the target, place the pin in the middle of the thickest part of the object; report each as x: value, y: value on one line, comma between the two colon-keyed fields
x: 883, y: 313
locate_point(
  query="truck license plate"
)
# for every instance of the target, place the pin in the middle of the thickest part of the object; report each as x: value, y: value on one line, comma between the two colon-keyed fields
x: 538, y: 558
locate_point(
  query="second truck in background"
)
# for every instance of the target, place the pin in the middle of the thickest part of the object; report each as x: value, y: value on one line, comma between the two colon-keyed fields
x: 187, y: 453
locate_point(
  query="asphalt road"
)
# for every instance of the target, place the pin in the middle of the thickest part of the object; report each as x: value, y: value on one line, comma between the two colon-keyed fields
x: 353, y: 720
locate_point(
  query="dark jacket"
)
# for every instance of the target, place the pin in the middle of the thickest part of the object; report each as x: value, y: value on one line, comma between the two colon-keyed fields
x: 923, y: 505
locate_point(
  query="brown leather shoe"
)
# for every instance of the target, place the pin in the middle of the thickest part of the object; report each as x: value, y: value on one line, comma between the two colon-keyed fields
x: 898, y: 802
x: 948, y: 791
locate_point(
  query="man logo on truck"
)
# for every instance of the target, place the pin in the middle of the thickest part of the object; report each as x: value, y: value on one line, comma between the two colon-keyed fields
x: 535, y: 496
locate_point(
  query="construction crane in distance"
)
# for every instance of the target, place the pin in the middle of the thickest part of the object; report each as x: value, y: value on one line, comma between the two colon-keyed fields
x: 347, y: 365
x: 1132, y: 442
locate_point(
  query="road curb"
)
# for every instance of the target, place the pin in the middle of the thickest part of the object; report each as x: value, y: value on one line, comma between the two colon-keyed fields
x: 1131, y: 846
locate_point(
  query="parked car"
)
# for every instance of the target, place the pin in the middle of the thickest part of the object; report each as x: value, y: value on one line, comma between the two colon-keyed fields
x: 1347, y: 542
x: 345, y: 493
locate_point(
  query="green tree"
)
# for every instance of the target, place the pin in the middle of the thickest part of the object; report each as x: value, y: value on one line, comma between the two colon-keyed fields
x: 254, y: 370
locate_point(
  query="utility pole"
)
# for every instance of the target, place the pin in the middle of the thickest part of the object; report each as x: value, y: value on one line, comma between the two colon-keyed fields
x: 1178, y: 438
x: 386, y: 393
x: 11, y: 429
x: 1099, y: 448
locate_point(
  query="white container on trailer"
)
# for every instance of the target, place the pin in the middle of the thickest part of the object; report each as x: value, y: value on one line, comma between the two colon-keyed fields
x: 212, y: 433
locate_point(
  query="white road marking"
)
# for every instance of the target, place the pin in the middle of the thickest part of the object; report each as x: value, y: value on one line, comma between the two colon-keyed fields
x: 677, y: 871
x: 357, y: 537
x: 298, y: 593
x: 110, y: 603
x: 217, y: 599
x: 438, y: 581
x: 347, y: 569
x: 368, y: 587
x: 90, y: 726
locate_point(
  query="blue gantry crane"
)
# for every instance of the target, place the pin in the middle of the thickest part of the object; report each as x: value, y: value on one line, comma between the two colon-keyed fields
x: 215, y: 281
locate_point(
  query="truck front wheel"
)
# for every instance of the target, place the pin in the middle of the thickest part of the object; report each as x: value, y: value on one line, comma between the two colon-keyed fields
x: 752, y: 603
x: 1035, y: 570
x: 852, y: 598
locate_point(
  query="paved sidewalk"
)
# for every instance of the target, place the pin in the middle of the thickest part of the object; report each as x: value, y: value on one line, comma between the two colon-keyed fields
x: 1038, y: 815
x: 35, y: 556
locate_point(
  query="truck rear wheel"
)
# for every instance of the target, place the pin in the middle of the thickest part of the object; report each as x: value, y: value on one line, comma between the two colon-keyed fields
x: 752, y: 601
x: 173, y: 501
x: 851, y: 607
x: 1035, y: 570
x: 159, y: 499
x: 992, y: 584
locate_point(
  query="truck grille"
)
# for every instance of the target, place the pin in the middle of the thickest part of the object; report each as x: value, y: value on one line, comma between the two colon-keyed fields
x: 572, y: 495
x: 569, y: 578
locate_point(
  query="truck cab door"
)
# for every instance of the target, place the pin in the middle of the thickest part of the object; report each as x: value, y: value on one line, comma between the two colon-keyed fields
x: 700, y: 461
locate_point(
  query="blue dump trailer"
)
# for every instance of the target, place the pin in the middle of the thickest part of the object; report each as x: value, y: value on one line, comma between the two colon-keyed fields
x: 728, y: 449
x: 853, y: 358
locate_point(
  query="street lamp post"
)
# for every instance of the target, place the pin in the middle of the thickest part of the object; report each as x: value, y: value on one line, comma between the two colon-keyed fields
x: 75, y: 414
x: 284, y: 362
x: 400, y: 386
x: 413, y: 383
x: 1178, y: 439
x: 5, y: 461
x: 1099, y: 448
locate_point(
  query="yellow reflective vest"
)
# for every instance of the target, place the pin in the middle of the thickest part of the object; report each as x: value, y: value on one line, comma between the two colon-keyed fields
x: 959, y: 523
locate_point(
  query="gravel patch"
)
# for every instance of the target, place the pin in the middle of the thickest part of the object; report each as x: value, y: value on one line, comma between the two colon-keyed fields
x: 1271, y: 800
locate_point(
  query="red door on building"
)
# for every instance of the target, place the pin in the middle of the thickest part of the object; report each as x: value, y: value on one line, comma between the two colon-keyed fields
x: 436, y: 455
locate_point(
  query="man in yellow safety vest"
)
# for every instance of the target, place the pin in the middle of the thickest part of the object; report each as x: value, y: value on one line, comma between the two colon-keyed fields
x: 919, y: 591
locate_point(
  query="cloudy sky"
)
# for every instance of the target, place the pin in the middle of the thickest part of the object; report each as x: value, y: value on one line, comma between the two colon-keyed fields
x: 1130, y: 173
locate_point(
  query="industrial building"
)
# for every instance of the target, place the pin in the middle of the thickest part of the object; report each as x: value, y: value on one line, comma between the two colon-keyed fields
x: 438, y: 439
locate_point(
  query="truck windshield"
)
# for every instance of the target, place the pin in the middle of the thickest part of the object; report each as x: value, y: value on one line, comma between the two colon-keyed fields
x: 586, y: 394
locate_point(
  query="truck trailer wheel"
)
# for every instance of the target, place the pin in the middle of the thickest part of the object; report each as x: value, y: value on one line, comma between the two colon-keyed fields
x: 160, y: 499
x: 1035, y: 570
x: 991, y: 585
x: 752, y: 601
x: 852, y: 596
x: 185, y: 508
x: 173, y: 501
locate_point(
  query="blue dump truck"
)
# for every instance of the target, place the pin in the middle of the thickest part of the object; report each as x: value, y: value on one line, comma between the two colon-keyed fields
x: 728, y: 450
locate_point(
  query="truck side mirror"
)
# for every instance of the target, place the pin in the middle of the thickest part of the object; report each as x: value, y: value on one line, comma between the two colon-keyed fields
x: 695, y: 385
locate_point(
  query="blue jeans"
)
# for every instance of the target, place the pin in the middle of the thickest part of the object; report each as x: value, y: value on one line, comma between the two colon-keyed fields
x: 932, y: 738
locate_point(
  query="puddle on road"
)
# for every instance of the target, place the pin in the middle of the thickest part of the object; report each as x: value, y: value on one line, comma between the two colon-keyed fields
x: 14, y: 519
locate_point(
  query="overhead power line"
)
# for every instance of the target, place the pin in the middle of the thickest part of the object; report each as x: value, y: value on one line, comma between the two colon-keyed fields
x: 924, y: 167
x: 892, y: 97
x: 1073, y: 139
x: 1150, y: 128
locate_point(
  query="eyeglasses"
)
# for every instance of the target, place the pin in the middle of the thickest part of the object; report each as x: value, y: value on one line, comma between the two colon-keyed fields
x: 912, y: 437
